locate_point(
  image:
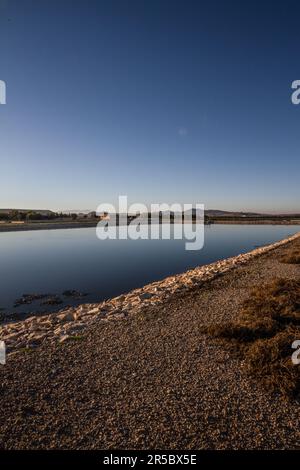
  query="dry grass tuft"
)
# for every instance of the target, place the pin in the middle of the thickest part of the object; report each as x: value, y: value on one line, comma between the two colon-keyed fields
x: 292, y: 254
x: 270, y: 362
x: 264, y: 331
x: 292, y: 257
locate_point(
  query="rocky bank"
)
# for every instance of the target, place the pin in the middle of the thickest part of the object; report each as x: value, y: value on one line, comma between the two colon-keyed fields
x: 71, y: 322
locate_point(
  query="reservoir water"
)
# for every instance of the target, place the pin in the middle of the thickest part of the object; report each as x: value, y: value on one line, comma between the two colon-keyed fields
x: 39, y: 262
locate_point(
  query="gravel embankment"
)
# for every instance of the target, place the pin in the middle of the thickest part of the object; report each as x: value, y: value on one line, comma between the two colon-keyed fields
x: 150, y: 380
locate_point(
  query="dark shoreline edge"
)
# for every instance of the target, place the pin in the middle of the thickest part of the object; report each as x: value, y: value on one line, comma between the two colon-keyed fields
x: 71, y: 225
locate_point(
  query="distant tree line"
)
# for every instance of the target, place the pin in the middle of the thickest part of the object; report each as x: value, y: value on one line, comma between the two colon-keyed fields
x: 34, y: 215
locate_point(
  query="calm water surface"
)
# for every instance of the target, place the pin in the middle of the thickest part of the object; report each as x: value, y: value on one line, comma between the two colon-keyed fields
x: 56, y: 260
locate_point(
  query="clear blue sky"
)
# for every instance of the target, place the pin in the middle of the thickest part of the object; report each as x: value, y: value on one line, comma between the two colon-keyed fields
x: 165, y: 101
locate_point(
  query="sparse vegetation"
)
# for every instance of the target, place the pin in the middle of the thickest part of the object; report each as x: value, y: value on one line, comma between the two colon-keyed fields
x: 26, y: 350
x: 292, y: 254
x: 263, y: 333
x: 291, y: 257
x: 76, y: 338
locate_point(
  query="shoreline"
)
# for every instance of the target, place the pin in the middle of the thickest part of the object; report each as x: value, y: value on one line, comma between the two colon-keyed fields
x: 45, y: 226
x: 66, y: 323
x: 5, y: 228
x: 256, y: 222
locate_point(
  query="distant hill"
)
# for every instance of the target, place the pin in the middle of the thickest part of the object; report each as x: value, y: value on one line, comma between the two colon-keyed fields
x: 218, y: 213
x: 208, y: 212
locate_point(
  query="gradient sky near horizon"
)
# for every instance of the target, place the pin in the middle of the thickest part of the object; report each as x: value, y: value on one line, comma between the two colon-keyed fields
x: 164, y: 101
